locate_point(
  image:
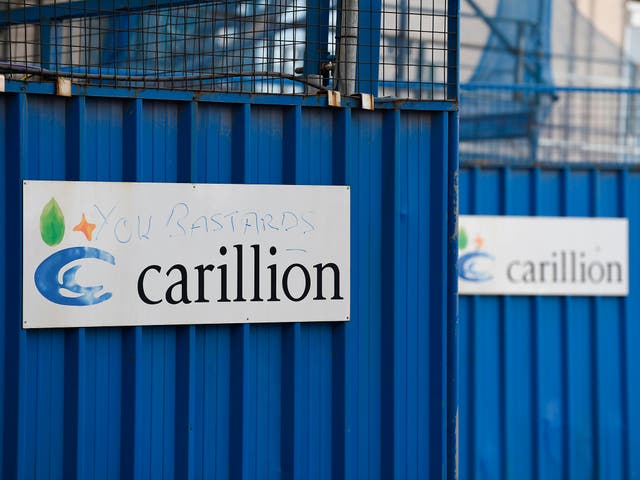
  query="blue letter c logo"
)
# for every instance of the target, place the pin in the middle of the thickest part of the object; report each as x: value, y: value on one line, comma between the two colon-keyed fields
x: 474, y: 266
x: 47, y: 273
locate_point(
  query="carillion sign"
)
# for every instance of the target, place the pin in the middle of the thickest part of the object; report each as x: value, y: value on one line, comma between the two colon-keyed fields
x: 116, y: 254
x: 501, y: 255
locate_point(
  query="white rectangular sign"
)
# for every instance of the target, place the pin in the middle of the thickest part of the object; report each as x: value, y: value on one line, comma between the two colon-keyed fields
x: 501, y: 255
x: 115, y: 254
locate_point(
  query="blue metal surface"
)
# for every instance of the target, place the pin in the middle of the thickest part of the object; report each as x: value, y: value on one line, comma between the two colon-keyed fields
x: 316, y: 52
x: 82, y: 8
x: 369, y: 22
x: 371, y: 398
x: 549, y: 385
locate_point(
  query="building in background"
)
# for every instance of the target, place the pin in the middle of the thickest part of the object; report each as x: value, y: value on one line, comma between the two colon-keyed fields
x: 550, y: 81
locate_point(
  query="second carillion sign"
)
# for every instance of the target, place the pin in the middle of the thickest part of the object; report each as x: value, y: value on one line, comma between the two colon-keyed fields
x: 510, y: 255
x: 114, y: 254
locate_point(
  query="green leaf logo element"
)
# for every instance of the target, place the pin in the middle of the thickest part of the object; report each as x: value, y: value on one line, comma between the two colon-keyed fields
x: 463, y: 240
x: 52, y: 223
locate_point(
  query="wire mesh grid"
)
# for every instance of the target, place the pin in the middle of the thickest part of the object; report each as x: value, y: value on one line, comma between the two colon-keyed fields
x: 396, y: 48
x: 511, y: 125
x: 415, y: 49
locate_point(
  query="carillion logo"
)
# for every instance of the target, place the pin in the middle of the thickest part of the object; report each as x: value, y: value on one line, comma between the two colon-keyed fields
x: 520, y: 255
x: 557, y: 266
x: 474, y: 265
x: 565, y: 266
x: 151, y: 280
x: 55, y: 277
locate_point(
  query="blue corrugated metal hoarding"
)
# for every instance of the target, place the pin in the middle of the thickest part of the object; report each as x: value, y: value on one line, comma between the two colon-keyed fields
x: 370, y: 398
x: 549, y: 386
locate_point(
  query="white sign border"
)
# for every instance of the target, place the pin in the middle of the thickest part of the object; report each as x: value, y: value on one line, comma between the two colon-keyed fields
x: 561, y: 224
x: 137, y: 320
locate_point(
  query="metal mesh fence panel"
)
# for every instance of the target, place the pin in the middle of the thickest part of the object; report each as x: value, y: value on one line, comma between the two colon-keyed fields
x: 511, y: 125
x: 400, y: 48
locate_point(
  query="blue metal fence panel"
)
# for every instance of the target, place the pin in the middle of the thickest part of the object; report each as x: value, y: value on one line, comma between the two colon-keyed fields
x: 549, y: 385
x: 364, y: 399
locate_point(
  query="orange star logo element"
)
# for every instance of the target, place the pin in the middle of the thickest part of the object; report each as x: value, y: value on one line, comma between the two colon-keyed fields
x: 85, y: 227
x: 479, y: 241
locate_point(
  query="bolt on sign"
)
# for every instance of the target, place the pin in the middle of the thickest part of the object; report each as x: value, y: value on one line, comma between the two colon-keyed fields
x: 117, y: 254
x: 510, y: 255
